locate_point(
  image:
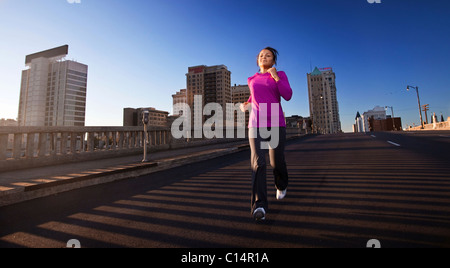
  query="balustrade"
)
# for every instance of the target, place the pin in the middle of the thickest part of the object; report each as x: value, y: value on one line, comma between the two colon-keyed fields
x: 56, y: 143
x: 26, y: 147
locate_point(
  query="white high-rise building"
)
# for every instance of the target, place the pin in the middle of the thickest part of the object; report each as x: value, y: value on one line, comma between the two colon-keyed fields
x: 53, y: 90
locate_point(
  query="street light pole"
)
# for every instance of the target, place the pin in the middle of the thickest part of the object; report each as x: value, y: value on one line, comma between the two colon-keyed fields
x: 418, y: 99
x: 393, y: 117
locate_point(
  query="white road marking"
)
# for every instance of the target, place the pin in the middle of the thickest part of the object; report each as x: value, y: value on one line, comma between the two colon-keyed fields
x: 444, y: 136
x: 393, y: 143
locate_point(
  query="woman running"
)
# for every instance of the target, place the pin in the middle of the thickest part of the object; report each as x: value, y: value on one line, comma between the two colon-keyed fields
x: 267, y: 129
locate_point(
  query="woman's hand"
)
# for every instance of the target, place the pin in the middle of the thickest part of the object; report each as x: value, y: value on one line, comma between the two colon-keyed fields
x: 274, y: 73
x: 244, y: 106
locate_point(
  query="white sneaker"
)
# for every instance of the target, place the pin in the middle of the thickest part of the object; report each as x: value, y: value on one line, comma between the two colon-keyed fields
x: 259, y: 214
x: 281, y: 194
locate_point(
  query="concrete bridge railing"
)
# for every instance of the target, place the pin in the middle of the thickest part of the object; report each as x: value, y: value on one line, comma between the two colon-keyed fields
x: 25, y: 147
x: 28, y: 147
x: 433, y: 126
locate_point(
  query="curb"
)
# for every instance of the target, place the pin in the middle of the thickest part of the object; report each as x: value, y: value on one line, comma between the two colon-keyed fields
x: 55, y: 185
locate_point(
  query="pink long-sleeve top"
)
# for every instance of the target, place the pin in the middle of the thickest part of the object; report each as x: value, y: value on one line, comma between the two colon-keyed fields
x: 265, y: 91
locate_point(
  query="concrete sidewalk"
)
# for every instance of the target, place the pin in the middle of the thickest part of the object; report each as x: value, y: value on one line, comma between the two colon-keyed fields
x: 23, y: 185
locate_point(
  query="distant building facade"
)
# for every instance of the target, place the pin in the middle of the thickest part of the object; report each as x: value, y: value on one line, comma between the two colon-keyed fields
x: 241, y: 94
x: 323, y: 104
x: 179, y: 102
x: 133, y: 117
x: 377, y: 113
x: 213, y: 84
x: 358, y: 127
x: 303, y: 124
x: 53, y: 90
x: 376, y: 120
x: 8, y: 123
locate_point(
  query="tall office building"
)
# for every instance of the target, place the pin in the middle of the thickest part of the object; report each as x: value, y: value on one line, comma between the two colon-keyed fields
x: 323, y: 104
x: 53, y: 90
x: 213, y: 83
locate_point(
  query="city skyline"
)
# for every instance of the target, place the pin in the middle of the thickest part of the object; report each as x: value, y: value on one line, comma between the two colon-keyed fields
x: 138, y: 52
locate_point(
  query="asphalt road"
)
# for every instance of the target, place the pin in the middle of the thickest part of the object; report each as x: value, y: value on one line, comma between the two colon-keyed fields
x: 344, y: 191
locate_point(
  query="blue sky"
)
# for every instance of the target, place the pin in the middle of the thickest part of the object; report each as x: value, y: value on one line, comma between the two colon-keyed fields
x: 138, y: 52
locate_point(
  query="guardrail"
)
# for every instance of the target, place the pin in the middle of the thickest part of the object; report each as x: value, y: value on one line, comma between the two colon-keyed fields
x: 27, y: 147
x: 32, y: 142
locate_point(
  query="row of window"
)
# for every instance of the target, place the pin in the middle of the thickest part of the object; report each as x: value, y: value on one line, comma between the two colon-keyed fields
x: 70, y: 97
x: 75, y: 124
x: 75, y: 93
x: 77, y: 73
x: 50, y: 119
x: 316, y: 78
x: 77, y: 115
x: 75, y: 103
x: 82, y: 89
x: 81, y: 84
x: 157, y: 115
x: 73, y: 77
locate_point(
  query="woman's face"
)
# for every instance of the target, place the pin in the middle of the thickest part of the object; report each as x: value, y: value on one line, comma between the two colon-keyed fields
x: 265, y: 59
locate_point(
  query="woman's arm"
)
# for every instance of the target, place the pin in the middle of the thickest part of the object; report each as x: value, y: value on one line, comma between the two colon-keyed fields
x: 284, y: 87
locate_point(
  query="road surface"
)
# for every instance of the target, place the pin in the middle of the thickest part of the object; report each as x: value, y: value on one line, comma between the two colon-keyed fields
x: 344, y: 191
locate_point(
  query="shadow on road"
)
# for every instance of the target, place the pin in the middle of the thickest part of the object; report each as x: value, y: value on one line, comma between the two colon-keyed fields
x: 344, y: 190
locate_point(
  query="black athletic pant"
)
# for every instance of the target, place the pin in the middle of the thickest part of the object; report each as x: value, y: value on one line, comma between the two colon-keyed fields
x: 258, y: 164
